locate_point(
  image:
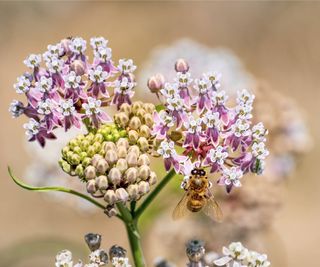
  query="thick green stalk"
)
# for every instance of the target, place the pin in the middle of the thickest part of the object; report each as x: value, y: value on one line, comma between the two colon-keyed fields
x: 135, y: 244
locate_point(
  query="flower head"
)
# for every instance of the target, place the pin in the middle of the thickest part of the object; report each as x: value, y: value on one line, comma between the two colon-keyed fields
x: 32, y: 61
x: 23, y: 84
x: 78, y: 45
x: 126, y: 66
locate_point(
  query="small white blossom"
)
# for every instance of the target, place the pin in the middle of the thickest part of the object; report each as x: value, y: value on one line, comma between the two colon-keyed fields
x: 259, y: 150
x: 66, y: 107
x: 98, y: 75
x: 55, y: 64
x: 72, y: 80
x: 54, y: 51
x: 218, y: 155
x: 23, y: 85
x: 16, y: 108
x: 234, y: 254
x: 244, y: 97
x: 244, y: 111
x: 232, y: 176
x: 95, y: 257
x: 214, y: 78
x: 170, y: 90
x: 103, y: 54
x: 241, y: 128
x: 78, y: 45
x: 256, y: 259
x: 259, y: 132
x: 166, y: 149
x: 124, y: 85
x: 92, y: 107
x: 120, y: 262
x: 166, y: 118
x: 97, y: 42
x: 193, y: 125
x: 183, y: 79
x: 45, y: 107
x: 219, y: 97
x: 175, y: 103
x: 32, y: 61
x: 211, y: 119
x: 64, y: 259
x: 202, y: 85
x: 44, y: 84
x: 126, y: 66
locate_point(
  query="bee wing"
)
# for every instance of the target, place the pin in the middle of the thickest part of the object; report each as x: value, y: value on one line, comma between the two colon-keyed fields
x: 181, y: 208
x: 213, y: 210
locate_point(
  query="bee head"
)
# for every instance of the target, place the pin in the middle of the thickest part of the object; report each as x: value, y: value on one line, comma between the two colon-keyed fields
x: 199, y: 172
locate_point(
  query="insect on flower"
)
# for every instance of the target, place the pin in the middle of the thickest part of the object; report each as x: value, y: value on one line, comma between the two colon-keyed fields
x: 198, y: 197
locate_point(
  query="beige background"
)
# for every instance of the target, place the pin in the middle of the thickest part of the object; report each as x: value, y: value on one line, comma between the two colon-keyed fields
x: 278, y: 42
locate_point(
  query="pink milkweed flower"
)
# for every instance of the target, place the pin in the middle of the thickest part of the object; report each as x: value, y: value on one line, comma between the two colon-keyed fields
x: 93, y: 111
x: 51, y: 116
x: 73, y: 86
x: 193, y: 133
x: 240, y: 135
x: 98, y: 77
x: 37, y: 132
x: 68, y: 114
x: 203, y: 87
x: 183, y: 80
x: 44, y: 89
x: 126, y: 66
x: 219, y: 99
x: 176, y: 108
x: 123, y: 91
x: 171, y: 158
x: 216, y: 158
x: 214, y: 79
x: 162, y: 123
x: 212, y: 123
x: 230, y: 178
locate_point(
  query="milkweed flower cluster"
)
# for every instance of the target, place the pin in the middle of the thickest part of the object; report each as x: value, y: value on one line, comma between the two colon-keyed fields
x: 63, y: 88
x: 98, y: 257
x: 196, y: 116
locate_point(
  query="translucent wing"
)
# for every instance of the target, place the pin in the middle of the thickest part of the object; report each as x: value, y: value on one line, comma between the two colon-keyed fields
x: 181, y: 208
x: 213, y: 210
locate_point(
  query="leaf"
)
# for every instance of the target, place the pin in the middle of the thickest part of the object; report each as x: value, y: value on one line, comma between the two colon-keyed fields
x: 160, y: 107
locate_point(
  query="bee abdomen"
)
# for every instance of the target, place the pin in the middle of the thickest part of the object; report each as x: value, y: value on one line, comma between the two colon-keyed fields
x: 194, y: 205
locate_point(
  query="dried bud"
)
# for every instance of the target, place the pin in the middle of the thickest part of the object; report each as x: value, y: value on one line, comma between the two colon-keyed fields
x: 66, y: 45
x: 114, y: 176
x: 117, y: 252
x: 123, y: 142
x: 156, y: 83
x: 110, y: 197
x: 93, y: 241
x: 149, y: 107
x: 132, y: 159
x: 143, y: 160
x: 131, y: 175
x: 95, y: 159
x: 91, y: 186
x: 122, y: 195
x: 144, y: 187
x: 102, y: 166
x: 78, y: 67
x: 148, y: 119
x: 102, y: 182
x: 140, y: 113
x: 109, y: 146
x: 134, y: 123
x: 136, y: 105
x: 111, y: 157
x: 133, y: 191
x: 122, y: 165
x: 135, y: 150
x: 90, y: 172
x: 175, y: 135
x: 152, y: 178
x: 122, y: 152
x: 133, y: 136
x: 126, y: 108
x: 143, y: 144
x: 144, y: 172
x: 181, y: 65
x: 110, y: 211
x: 144, y: 131
x: 195, y: 250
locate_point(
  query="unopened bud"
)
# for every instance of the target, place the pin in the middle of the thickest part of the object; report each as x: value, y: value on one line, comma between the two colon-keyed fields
x: 98, y: 138
x: 73, y: 143
x: 117, y: 252
x: 148, y: 119
x: 79, y: 170
x: 86, y: 161
x: 122, y: 195
x: 133, y: 191
x: 140, y: 113
x: 122, y: 152
x: 143, y: 144
x: 114, y: 176
x: 152, y: 178
x: 134, y: 123
x: 123, y: 142
x: 133, y: 136
x: 90, y: 172
x: 122, y: 165
x: 131, y: 175
x: 110, y: 197
x: 136, y: 105
x: 102, y: 166
x: 102, y: 182
x: 78, y: 67
x: 126, y: 108
x: 97, y: 146
x: 144, y: 131
x: 91, y: 151
x: 181, y: 65
x: 156, y: 83
x: 111, y: 157
x: 122, y: 119
x: 109, y: 146
x: 64, y: 151
x: 93, y: 241
x: 91, y: 186
x: 144, y: 172
x: 84, y: 144
x: 95, y: 159
x: 77, y: 150
x: 149, y: 107
x: 143, y: 160
x: 65, y: 166
x: 66, y: 45
x: 144, y: 187
x: 110, y: 211
x: 134, y: 149
x: 132, y: 159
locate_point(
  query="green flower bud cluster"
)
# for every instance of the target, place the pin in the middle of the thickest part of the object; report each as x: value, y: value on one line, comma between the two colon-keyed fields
x: 122, y: 174
x: 78, y: 154
x: 138, y: 121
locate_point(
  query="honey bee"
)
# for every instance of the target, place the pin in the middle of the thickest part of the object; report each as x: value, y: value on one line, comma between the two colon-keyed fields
x: 198, y: 197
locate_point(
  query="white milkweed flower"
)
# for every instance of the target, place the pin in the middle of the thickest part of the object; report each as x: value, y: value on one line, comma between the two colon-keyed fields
x: 53, y: 51
x: 232, y: 176
x: 259, y: 132
x: 92, y: 107
x: 183, y: 79
x: 234, y: 254
x: 55, y: 64
x: 241, y: 128
x: 64, y: 259
x: 102, y: 53
x: 202, y: 85
x: 219, y: 97
x: 166, y: 118
x: 166, y: 149
x: 120, y: 262
x: 169, y: 90
x: 255, y: 259
x: 214, y: 78
x: 44, y: 84
x: 32, y: 127
x: 72, y: 80
x: 98, y: 75
x: 97, y: 42
x: 212, y: 119
x: 124, y: 85
x: 259, y: 150
x: 66, y: 107
x: 45, y: 107
x: 33, y: 61
x: 126, y: 66
x: 193, y: 125
x: 244, y: 97
x: 78, y: 45
x: 23, y: 85
x: 175, y: 103
x: 218, y: 155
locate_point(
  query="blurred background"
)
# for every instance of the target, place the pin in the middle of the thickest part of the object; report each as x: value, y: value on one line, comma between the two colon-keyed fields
x: 271, y: 47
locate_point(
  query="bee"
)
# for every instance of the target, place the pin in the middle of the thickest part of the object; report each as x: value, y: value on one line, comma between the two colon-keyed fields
x: 198, y: 197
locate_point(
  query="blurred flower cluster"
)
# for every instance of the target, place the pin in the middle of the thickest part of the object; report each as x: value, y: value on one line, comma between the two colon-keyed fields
x: 98, y: 257
x: 64, y: 89
x: 197, y: 117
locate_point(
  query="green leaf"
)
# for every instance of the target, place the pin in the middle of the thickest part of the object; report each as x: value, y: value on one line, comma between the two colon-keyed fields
x: 160, y: 107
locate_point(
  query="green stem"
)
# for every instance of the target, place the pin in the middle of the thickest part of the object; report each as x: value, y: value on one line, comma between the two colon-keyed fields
x: 152, y: 195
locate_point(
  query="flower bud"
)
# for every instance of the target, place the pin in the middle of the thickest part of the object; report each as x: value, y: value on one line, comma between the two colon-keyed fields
x: 97, y: 146
x: 148, y: 119
x: 140, y: 113
x: 91, y: 151
x: 123, y: 142
x: 102, y: 182
x: 133, y: 136
x: 110, y: 197
x: 114, y: 176
x: 64, y: 151
x: 98, y: 138
x: 152, y: 178
x: 136, y: 105
x: 77, y: 150
x: 131, y: 175
x: 73, y: 143
x: 117, y: 252
x: 122, y: 165
x: 156, y: 83
x: 144, y: 187
x: 132, y: 159
x: 90, y: 172
x: 90, y: 137
x: 65, y: 166
x: 149, y: 107
x: 133, y: 191
x: 84, y: 144
x: 79, y: 170
x: 143, y: 160
x: 144, y: 172
x: 143, y: 144
x: 86, y: 161
x: 95, y: 159
x: 122, y: 119
x: 134, y: 123
x: 111, y: 157
x: 126, y: 108
x: 121, y: 195
x: 65, y: 43
x: 122, y: 152
x: 135, y: 149
x: 144, y: 131
x: 181, y: 65
x: 110, y: 211
x: 91, y: 186
x: 93, y: 241
x: 75, y: 159
x: 78, y: 66
x: 102, y: 166
x: 109, y: 146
